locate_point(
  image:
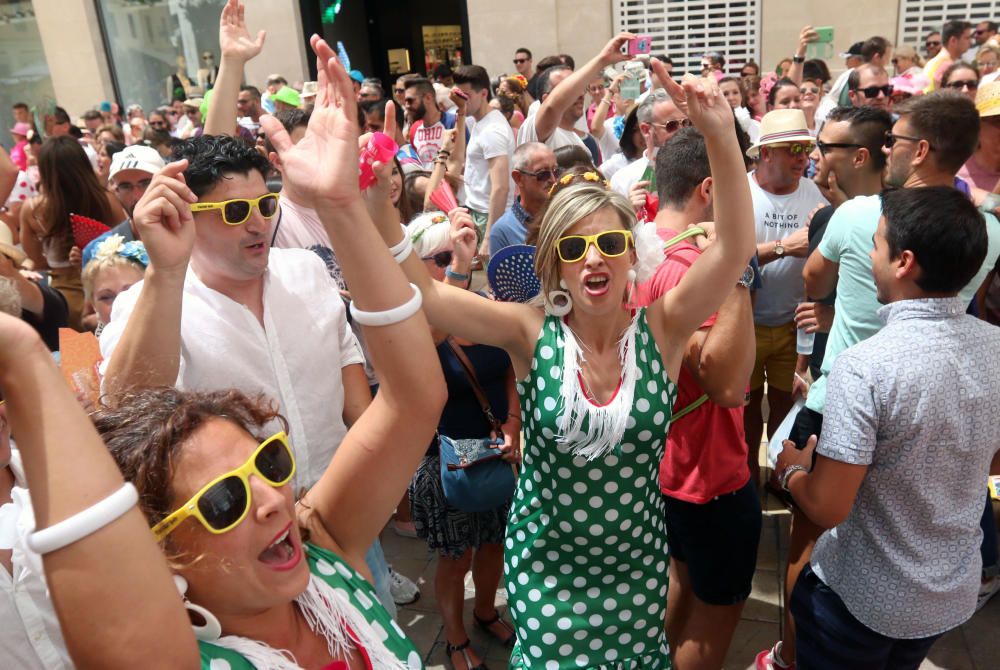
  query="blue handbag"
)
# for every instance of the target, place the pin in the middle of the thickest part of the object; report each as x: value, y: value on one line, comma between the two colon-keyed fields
x: 473, y: 475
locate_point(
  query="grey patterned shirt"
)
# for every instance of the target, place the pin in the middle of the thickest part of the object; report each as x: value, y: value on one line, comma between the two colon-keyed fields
x: 919, y: 404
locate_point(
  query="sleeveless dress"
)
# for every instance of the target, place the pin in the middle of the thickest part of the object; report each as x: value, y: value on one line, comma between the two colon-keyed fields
x: 585, y: 560
x: 330, y: 568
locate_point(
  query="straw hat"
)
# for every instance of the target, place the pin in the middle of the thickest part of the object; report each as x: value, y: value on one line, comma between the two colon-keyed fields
x: 779, y: 127
x: 988, y: 99
x: 7, y: 247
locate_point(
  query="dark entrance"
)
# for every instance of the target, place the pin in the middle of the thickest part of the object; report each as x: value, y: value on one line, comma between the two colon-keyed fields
x: 380, y: 36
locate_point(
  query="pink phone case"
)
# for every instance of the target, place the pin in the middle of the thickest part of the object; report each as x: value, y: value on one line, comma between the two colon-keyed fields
x: 642, y: 44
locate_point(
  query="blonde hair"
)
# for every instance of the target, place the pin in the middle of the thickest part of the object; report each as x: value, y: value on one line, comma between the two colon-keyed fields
x: 566, y: 208
x: 94, y: 267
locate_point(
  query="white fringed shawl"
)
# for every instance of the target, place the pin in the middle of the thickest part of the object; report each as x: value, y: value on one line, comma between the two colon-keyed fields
x: 328, y: 612
x: 607, y: 423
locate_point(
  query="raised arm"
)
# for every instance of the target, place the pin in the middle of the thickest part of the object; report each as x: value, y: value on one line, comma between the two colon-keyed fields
x: 601, y: 111
x: 566, y: 93
x: 377, y: 458
x: 806, y: 35
x: 113, y: 584
x: 148, y: 352
x: 713, y: 276
x: 237, y: 48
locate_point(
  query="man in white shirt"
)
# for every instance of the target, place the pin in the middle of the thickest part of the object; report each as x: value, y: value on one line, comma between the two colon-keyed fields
x: 783, y: 200
x: 561, y: 91
x: 659, y: 120
x: 427, y: 122
x: 489, y: 188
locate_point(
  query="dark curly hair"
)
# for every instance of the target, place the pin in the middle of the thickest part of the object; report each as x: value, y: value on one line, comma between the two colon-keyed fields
x: 144, y: 430
x: 212, y: 157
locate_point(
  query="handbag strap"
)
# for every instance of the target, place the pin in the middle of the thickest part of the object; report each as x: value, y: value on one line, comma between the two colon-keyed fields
x: 477, y: 390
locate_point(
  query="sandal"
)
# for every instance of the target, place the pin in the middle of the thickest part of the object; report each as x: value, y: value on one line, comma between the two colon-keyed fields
x: 455, y: 648
x: 508, y: 641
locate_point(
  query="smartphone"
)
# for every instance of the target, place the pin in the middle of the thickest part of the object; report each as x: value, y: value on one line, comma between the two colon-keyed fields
x: 825, y: 34
x: 823, y: 46
x: 642, y: 44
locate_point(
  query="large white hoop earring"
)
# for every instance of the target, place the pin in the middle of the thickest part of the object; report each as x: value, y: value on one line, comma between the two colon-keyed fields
x: 212, y: 629
x: 558, y: 302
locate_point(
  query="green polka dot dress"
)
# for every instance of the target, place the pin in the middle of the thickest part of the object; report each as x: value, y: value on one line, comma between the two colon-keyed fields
x: 585, y: 560
x: 330, y: 568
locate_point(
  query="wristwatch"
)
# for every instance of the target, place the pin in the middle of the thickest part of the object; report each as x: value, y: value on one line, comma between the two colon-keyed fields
x: 779, y: 249
x: 787, y: 473
x: 746, y: 281
x: 798, y: 59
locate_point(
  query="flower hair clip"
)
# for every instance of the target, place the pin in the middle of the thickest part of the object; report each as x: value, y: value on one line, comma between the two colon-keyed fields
x: 767, y: 82
x: 520, y: 79
x: 115, y: 245
x: 569, y: 177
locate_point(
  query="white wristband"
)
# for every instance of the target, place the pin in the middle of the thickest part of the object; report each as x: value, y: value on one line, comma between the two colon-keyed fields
x: 405, y: 253
x: 390, y: 316
x: 398, y: 247
x: 85, y: 522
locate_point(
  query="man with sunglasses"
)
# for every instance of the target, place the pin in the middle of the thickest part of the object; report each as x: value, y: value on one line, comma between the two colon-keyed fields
x: 659, y: 119
x: 130, y: 174
x: 868, y: 85
x: 535, y: 172
x: 984, y: 31
x: 783, y: 200
x: 523, y: 63
x: 955, y: 40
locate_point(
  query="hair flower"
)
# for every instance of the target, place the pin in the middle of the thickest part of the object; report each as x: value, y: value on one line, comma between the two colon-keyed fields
x: 115, y: 245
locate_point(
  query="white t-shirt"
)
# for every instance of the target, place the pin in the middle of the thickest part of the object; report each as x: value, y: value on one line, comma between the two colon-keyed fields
x: 608, y: 143
x: 295, y: 358
x: 611, y: 166
x: 777, y: 217
x: 491, y: 137
x: 558, y: 138
x: 626, y: 178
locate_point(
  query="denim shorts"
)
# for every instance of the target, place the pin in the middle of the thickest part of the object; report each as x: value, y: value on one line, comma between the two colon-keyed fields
x: 717, y: 541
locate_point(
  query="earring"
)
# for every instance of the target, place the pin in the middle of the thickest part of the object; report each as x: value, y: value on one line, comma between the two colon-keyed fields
x: 212, y: 629
x: 630, y: 292
x: 558, y: 302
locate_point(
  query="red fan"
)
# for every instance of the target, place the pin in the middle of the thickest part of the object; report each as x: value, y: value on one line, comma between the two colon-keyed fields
x: 444, y: 197
x: 86, y: 230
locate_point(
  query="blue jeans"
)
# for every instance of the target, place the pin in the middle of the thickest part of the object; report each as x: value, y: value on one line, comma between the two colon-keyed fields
x: 828, y: 637
x: 380, y: 575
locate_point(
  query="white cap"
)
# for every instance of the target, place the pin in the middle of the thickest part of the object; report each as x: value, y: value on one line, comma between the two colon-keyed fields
x: 136, y: 157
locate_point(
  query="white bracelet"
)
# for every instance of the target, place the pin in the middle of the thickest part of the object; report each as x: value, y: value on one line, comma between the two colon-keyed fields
x: 405, y: 253
x: 401, y: 246
x: 85, y: 522
x: 390, y: 316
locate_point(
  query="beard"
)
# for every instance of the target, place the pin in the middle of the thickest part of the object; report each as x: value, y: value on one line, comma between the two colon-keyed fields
x: 419, y: 112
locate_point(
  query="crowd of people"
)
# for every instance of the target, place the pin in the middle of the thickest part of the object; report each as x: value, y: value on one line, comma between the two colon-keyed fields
x: 539, y: 321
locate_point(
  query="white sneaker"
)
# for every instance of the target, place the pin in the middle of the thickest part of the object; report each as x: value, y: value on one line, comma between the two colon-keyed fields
x: 987, y: 590
x: 403, y: 590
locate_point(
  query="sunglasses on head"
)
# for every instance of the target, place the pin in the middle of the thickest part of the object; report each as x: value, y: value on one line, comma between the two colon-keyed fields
x: 224, y: 502
x: 672, y: 125
x: 442, y: 259
x: 970, y: 84
x: 238, y: 210
x: 873, y: 91
x: 611, y: 243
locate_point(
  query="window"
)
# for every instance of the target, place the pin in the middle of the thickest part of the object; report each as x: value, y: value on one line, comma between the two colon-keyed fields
x: 686, y: 29
x: 917, y: 18
x: 155, y: 48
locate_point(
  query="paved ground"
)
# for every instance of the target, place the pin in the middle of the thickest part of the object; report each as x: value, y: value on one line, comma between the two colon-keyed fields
x: 974, y: 646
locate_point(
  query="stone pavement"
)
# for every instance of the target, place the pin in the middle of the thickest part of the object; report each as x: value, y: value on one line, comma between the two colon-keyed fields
x: 973, y: 646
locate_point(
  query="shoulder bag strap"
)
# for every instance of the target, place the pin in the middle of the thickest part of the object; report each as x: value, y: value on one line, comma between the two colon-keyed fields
x: 474, y: 381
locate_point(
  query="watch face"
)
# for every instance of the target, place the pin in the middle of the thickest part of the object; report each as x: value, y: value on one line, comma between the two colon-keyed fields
x: 747, y: 278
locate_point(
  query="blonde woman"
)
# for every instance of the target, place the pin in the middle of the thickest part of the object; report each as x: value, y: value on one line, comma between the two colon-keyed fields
x: 585, y: 555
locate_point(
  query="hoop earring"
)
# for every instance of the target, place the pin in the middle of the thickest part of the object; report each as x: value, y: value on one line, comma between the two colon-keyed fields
x: 212, y: 629
x: 558, y: 302
x: 630, y: 292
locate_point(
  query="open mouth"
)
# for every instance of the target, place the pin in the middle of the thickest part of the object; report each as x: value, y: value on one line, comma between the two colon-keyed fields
x: 283, y: 553
x: 256, y: 246
x: 596, y: 284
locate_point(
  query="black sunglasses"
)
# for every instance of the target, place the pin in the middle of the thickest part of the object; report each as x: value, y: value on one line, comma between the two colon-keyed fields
x: 970, y: 84
x: 442, y: 259
x: 672, y: 125
x: 544, y: 175
x: 932, y: 44
x: 518, y: 61
x: 891, y: 139
x: 826, y: 146
x: 873, y: 91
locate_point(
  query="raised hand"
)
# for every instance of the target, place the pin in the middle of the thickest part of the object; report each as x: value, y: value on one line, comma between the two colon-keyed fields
x: 164, y: 221
x: 459, y: 98
x: 612, y: 51
x: 323, y: 165
x: 463, y: 236
x: 235, y: 42
x: 700, y: 98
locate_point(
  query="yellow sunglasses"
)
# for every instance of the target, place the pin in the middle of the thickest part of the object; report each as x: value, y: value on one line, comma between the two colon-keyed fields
x: 235, y: 212
x: 224, y: 502
x: 611, y: 243
x: 794, y: 149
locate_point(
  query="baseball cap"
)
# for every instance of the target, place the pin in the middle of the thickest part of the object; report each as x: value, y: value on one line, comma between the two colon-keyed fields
x: 288, y: 95
x: 136, y: 157
x: 855, y: 50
